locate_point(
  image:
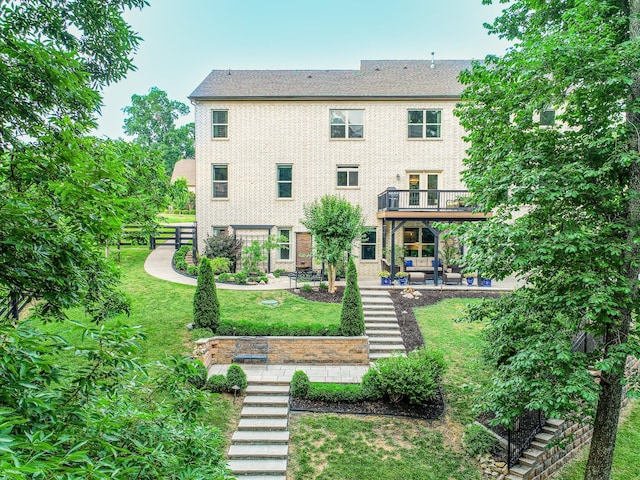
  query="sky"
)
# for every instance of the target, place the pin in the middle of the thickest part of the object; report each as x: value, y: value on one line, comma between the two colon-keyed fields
x: 183, y: 40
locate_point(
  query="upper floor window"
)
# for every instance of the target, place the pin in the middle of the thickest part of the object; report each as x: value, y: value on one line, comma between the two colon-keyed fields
x: 368, y: 244
x: 347, y: 123
x: 285, y: 181
x: 220, y: 123
x: 347, y: 175
x: 425, y: 123
x: 548, y: 117
x: 220, y: 179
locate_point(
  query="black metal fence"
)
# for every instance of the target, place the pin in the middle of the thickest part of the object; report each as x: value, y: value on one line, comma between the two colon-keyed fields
x: 424, y: 200
x: 522, y: 433
x: 11, y: 307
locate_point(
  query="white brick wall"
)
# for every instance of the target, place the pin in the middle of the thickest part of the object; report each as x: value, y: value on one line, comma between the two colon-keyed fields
x: 263, y: 134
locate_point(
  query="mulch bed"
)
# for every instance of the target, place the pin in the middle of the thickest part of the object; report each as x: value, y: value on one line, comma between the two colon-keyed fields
x: 412, y: 339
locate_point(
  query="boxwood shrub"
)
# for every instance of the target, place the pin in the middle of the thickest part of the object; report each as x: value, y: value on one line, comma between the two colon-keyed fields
x: 250, y: 328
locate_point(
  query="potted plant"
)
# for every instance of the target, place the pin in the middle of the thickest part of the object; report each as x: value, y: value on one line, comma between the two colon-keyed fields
x: 385, y: 277
x: 470, y: 277
x: 402, y: 277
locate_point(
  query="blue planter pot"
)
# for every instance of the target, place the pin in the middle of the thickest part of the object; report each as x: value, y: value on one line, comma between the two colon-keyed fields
x: 470, y: 281
x: 385, y: 281
x: 486, y: 282
x: 402, y: 281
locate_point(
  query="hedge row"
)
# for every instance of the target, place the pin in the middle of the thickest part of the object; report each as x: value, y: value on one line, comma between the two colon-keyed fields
x: 250, y: 328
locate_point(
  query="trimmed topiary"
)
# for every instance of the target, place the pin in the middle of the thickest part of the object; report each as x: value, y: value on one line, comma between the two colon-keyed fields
x: 206, y: 308
x: 352, y: 316
x: 299, y: 384
x: 217, y: 384
x: 236, y: 376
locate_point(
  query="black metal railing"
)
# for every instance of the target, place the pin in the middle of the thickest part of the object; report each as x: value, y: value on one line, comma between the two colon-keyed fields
x: 585, y: 342
x: 424, y: 200
x: 11, y: 307
x: 522, y: 433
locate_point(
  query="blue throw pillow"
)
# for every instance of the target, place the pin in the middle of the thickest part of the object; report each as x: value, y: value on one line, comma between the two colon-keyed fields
x: 408, y: 263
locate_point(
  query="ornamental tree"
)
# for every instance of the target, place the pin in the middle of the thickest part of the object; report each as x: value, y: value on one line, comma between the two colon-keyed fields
x: 564, y: 193
x: 352, y: 315
x: 206, y: 308
x: 334, y: 224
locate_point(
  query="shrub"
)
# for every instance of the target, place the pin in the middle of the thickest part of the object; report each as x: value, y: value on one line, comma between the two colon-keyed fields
x: 263, y: 278
x: 181, y: 265
x: 241, y: 278
x: 414, y: 377
x: 224, y: 246
x: 478, y: 441
x: 220, y: 265
x: 217, y: 384
x: 192, y: 270
x: 299, y: 384
x: 352, y: 316
x: 252, y: 328
x: 224, y: 277
x: 278, y: 272
x: 236, y: 376
x: 306, y: 288
x: 206, y: 308
x: 197, y: 375
x: 371, y: 386
x: 323, y: 287
x: 336, y: 392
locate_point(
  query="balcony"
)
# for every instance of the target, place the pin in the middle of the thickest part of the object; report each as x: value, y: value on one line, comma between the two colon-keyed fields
x: 426, y: 203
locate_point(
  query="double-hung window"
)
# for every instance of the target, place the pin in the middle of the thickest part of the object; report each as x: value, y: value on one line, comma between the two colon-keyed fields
x: 220, y: 180
x: 284, y: 243
x: 547, y: 117
x: 368, y: 244
x: 347, y: 123
x: 285, y: 181
x: 425, y: 123
x: 219, y: 123
x: 347, y: 176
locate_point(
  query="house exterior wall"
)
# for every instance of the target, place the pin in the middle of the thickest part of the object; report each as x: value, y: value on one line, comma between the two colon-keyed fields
x: 265, y: 133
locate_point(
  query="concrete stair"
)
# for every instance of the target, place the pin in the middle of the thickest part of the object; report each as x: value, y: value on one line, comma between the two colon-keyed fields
x: 381, y: 324
x: 260, y: 447
x: 523, y: 470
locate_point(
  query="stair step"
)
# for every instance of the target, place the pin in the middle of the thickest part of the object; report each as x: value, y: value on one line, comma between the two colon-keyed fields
x: 266, y: 400
x: 527, y: 462
x: 378, y: 355
x: 549, y: 429
x: 260, y: 436
x: 544, y: 437
x: 519, y: 471
x: 369, y: 301
x: 267, y: 388
x: 258, y: 451
x: 258, y: 423
x: 392, y: 332
x: 268, y: 412
x: 385, y: 348
x: 556, y: 422
x: 260, y: 477
x: 532, y: 453
x: 391, y: 340
x: 263, y: 466
x: 538, y: 445
x: 382, y: 326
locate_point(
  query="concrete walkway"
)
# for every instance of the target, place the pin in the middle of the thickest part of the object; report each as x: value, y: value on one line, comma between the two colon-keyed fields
x: 158, y: 264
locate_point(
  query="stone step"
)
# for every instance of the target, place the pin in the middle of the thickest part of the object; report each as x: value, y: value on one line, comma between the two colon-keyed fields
x: 266, y: 400
x: 555, y: 422
x: 260, y: 436
x: 381, y: 326
x: 369, y: 301
x: 538, y: 445
x: 543, y: 437
x: 267, y: 412
x: 532, y: 453
x: 257, y: 423
x: 260, y: 477
x: 267, y: 388
x: 383, y: 332
x: 391, y: 340
x: 527, y: 462
x: 381, y: 315
x: 519, y: 471
x: 546, y: 428
x: 509, y: 476
x: 263, y: 466
x: 386, y: 348
x: 373, y: 356
x: 258, y: 451
x: 374, y: 320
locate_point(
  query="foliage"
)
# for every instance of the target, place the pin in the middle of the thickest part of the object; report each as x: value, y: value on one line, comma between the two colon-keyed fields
x: 217, y: 384
x: 299, y: 386
x: 334, y: 224
x: 323, y: 287
x: 279, y: 271
x: 225, y: 246
x: 236, y: 377
x: 197, y: 374
x: 62, y: 191
x: 179, y: 258
x: 352, y: 315
x: 565, y: 199
x: 306, y: 288
x: 277, y: 328
x: 151, y: 120
x: 478, y: 440
x: 415, y: 377
x: 93, y: 418
x: 337, y: 392
x: 180, y: 197
x: 220, y: 265
x: 206, y: 308
x: 192, y: 270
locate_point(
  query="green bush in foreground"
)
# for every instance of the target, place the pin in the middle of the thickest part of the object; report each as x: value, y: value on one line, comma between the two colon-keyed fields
x: 352, y: 316
x: 478, y: 441
x: 206, y: 308
x: 236, y: 377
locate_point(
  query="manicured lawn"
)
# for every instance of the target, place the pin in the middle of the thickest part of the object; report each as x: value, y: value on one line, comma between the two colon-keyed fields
x: 331, y: 447
x: 461, y: 343
x: 626, y: 461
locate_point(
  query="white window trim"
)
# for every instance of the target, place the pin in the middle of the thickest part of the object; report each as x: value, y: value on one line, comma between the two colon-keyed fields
x: 280, y: 244
x: 213, y: 181
x: 348, y: 168
x: 278, y: 182
x: 346, y: 125
x: 213, y: 137
x: 424, y: 124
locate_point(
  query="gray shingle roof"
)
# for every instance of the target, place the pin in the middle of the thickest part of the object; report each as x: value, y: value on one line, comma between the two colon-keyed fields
x: 375, y: 79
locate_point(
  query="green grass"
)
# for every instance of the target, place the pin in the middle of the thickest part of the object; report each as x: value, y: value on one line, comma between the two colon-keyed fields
x: 175, y: 218
x: 626, y: 460
x: 461, y: 344
x: 331, y: 447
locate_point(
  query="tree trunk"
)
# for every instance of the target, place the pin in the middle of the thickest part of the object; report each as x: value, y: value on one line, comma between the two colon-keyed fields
x: 605, y: 429
x: 331, y: 278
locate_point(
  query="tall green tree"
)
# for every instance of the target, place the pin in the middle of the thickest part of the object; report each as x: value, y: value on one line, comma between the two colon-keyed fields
x: 61, y: 191
x: 206, y: 307
x: 334, y: 224
x: 352, y: 315
x: 152, y: 120
x: 565, y: 198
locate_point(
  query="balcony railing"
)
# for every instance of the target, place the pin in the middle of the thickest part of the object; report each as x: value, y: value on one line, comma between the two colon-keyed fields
x: 424, y: 200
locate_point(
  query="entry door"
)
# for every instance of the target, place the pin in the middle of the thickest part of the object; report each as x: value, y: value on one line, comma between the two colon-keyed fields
x: 429, y: 181
x: 303, y: 251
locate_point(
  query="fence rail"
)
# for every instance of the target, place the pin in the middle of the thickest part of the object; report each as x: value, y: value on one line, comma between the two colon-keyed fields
x: 175, y: 235
x: 522, y: 433
x: 11, y: 307
x: 424, y: 200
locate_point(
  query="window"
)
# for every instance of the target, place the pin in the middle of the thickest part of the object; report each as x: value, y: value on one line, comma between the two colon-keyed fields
x: 220, y: 177
x: 215, y: 231
x: 425, y: 123
x: 347, y: 175
x: 419, y: 242
x: 285, y: 181
x: 368, y: 245
x: 347, y: 123
x: 547, y: 117
x: 220, y: 123
x: 284, y: 243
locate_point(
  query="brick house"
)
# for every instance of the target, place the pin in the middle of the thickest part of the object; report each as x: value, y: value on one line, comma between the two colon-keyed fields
x: 383, y: 137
